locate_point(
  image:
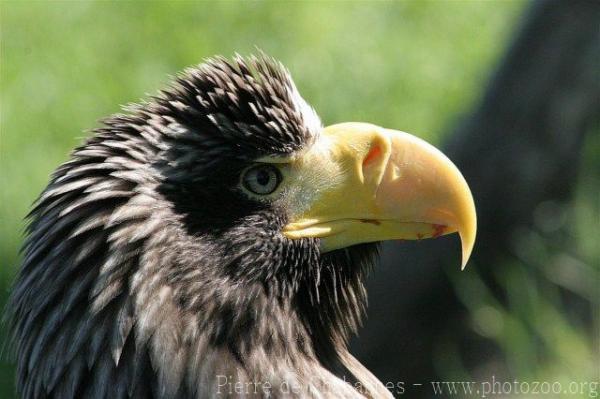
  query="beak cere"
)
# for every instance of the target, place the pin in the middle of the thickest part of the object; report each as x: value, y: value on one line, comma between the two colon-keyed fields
x: 385, y: 185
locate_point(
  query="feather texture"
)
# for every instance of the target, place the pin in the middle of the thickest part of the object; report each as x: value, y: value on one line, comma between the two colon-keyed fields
x: 139, y: 280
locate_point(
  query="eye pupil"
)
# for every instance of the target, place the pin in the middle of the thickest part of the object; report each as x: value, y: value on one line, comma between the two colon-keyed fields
x: 263, y: 177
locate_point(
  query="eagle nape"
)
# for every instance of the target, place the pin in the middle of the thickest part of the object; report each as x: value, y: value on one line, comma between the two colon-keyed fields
x: 214, y: 240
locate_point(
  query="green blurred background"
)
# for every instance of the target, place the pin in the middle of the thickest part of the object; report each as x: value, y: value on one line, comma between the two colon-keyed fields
x: 414, y: 66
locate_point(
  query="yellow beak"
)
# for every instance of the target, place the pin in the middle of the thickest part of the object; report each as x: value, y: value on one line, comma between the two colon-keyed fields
x: 383, y: 185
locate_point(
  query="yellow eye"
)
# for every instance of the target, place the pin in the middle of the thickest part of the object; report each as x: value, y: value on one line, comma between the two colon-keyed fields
x: 261, y: 179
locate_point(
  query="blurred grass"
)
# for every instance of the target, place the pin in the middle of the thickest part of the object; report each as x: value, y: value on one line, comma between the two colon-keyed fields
x: 550, y: 329
x: 414, y: 66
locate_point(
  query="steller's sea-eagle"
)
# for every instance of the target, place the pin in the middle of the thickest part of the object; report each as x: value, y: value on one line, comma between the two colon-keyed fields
x: 213, y: 241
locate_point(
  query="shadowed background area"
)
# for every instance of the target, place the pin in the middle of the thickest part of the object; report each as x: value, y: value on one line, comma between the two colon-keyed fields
x: 422, y: 67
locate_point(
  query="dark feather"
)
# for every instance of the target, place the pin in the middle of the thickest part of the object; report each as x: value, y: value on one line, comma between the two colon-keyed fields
x: 145, y: 274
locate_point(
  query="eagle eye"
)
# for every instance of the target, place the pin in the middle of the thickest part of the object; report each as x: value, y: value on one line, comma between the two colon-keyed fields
x: 261, y: 179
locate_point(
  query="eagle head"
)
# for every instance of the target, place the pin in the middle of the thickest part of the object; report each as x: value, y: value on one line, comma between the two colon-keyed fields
x: 217, y: 235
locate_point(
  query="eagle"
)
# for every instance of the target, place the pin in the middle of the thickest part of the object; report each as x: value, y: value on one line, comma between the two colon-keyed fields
x: 213, y: 240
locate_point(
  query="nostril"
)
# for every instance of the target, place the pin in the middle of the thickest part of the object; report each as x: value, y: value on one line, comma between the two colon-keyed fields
x: 373, y: 154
